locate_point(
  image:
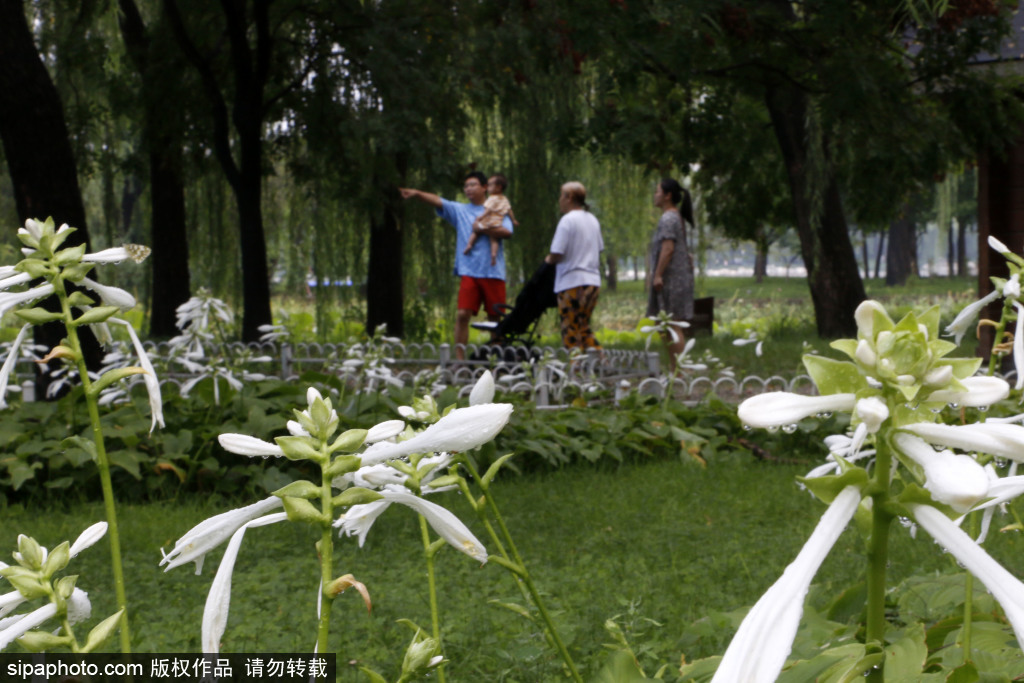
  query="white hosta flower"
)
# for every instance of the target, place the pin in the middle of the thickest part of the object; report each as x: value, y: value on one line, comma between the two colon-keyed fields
x: 760, y: 647
x: 12, y: 628
x: 873, y: 412
x: 135, y: 252
x: 1018, y: 343
x: 460, y: 430
x: 483, y: 390
x: 981, y: 392
x: 995, y: 438
x: 156, y: 403
x: 243, y: 444
x: 865, y: 317
x: 384, y: 431
x: 9, y: 363
x: 778, y: 408
x: 218, y: 601
x: 112, y: 296
x: 1011, y: 290
x: 295, y: 429
x: 88, y: 538
x: 965, y: 319
x: 10, y: 601
x: 358, y: 520
x: 1003, y: 585
x: 210, y: 533
x: 997, y: 245
x: 955, y: 480
x: 9, y: 300
x: 15, y: 278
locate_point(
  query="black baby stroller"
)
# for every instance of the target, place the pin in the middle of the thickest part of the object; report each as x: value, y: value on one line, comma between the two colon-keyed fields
x: 516, y: 330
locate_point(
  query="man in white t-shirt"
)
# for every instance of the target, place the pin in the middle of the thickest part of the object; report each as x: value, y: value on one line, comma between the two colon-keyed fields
x: 576, y: 252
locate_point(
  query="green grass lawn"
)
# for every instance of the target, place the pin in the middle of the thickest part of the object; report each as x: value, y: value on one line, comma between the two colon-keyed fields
x: 664, y: 540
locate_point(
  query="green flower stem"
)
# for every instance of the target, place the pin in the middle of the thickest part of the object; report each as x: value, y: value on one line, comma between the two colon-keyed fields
x: 103, y: 464
x: 435, y: 617
x: 525, y: 575
x: 326, y: 553
x: 1007, y: 314
x: 878, y: 550
x: 965, y: 639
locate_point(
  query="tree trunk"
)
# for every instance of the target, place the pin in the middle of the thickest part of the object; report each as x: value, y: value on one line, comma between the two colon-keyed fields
x: 385, y: 284
x: 864, y: 254
x: 38, y: 153
x: 901, y: 258
x: 250, y: 66
x: 761, y: 255
x: 951, y: 251
x: 611, y: 281
x: 171, y: 285
x: 961, y: 245
x: 878, y: 255
x: 832, y: 271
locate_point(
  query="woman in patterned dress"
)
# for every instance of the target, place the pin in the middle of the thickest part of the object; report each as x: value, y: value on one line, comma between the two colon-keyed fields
x: 669, y: 265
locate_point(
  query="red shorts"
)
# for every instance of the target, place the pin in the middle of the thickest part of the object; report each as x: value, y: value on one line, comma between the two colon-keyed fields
x: 474, y: 290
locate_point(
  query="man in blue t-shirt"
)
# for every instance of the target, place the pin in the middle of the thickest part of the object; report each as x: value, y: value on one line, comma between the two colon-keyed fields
x: 480, y: 282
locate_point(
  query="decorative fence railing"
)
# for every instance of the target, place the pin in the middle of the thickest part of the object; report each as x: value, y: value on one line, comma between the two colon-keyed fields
x: 551, y: 377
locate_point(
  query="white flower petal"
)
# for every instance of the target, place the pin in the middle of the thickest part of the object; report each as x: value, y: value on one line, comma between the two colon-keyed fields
x: 112, y: 255
x: 9, y: 363
x: 1003, y: 585
x: 156, y: 403
x: 1011, y: 290
x: 218, y: 601
x: 873, y: 412
x: 483, y: 390
x: 210, y: 533
x: 384, y: 430
x: 9, y: 300
x: 295, y: 429
x: 963, y: 321
x: 243, y: 444
x: 360, y: 518
x: 995, y: 438
x: 955, y: 480
x: 760, y: 647
x: 778, y: 408
x: 446, y: 524
x: 88, y: 538
x: 997, y: 245
x: 981, y: 391
x: 9, y: 601
x: 112, y: 296
x: 460, y: 430
x: 1018, y: 344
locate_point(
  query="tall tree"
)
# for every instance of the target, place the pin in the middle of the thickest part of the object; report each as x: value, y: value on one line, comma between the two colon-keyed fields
x: 855, y: 114
x: 162, y: 133
x: 237, y: 86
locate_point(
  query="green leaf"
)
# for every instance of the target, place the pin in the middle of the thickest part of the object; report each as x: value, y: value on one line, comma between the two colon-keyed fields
x: 343, y: 464
x: 96, y: 315
x: 111, y: 376
x: 65, y: 585
x: 301, y: 510
x: 905, y: 658
x: 492, y: 471
x: 965, y: 673
x: 349, y: 441
x: 298, y: 448
x: 103, y: 630
x: 299, y: 489
x: 126, y: 459
x: 31, y: 552
x: 834, y: 376
x: 621, y: 667
x: 373, y: 675
x: 29, y: 586
x: 78, y: 298
x: 827, y: 488
x: 355, y: 496
x: 66, y: 257
x: 38, y: 316
x: 41, y: 641
x: 56, y: 560
x: 36, y: 268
